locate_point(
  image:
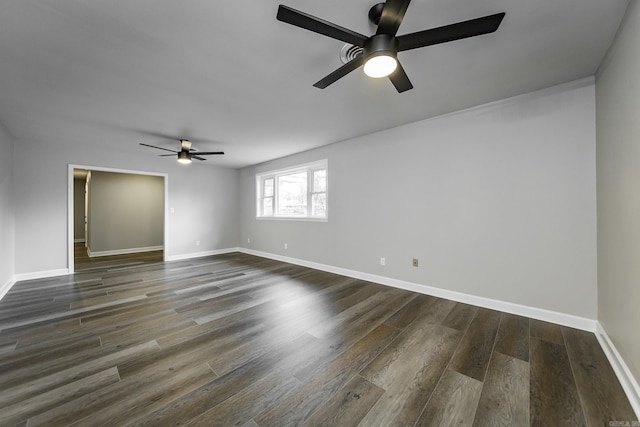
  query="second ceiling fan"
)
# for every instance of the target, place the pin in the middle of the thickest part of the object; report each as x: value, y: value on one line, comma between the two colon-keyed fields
x: 380, y: 50
x: 186, y: 153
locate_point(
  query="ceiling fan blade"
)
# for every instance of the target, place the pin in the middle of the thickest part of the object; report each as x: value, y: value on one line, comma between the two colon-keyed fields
x: 392, y: 16
x: 400, y: 79
x: 193, y: 156
x: 166, y: 155
x: 320, y: 26
x: 159, y: 148
x: 206, y: 153
x: 340, y: 72
x: 448, y: 33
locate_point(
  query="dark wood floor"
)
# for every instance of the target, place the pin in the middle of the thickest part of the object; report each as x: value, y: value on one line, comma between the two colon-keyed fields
x: 240, y: 340
x: 82, y: 262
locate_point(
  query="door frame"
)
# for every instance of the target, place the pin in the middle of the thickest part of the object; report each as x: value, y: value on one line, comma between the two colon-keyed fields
x: 70, y: 202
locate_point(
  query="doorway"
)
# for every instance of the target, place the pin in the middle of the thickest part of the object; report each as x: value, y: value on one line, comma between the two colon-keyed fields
x: 116, y: 217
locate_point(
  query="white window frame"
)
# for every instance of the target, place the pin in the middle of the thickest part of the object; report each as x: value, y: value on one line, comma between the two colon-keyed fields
x: 309, y: 168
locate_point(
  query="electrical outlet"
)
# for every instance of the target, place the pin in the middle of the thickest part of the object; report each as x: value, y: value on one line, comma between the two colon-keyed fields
x: 415, y: 262
x: 248, y: 240
x: 197, y: 242
x: 383, y: 261
x: 286, y: 246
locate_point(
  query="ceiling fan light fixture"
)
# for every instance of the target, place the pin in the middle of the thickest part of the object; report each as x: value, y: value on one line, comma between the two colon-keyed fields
x: 380, y: 66
x: 184, y: 157
x: 380, y: 55
x: 387, y: 17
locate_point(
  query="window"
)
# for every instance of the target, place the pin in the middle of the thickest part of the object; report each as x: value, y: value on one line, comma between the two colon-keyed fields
x: 298, y: 192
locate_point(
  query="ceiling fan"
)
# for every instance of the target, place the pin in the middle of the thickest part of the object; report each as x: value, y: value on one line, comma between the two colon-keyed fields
x: 380, y: 50
x: 186, y: 153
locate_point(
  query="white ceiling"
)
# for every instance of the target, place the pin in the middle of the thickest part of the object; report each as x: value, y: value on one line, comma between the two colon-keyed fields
x: 230, y: 77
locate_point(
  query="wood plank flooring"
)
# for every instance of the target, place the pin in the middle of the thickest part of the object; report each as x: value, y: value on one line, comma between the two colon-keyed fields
x: 240, y: 340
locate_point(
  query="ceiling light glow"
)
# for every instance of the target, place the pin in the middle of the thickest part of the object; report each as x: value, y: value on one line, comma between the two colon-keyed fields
x: 380, y: 66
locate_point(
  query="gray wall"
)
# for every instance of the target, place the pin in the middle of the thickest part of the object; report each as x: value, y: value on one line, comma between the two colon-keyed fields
x: 78, y: 208
x: 7, y: 212
x: 618, y: 166
x: 203, y: 197
x: 126, y: 212
x: 498, y: 201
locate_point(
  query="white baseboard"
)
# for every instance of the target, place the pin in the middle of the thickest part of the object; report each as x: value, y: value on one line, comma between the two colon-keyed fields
x: 201, y: 254
x: 42, y: 274
x: 508, y: 307
x: 95, y: 254
x: 5, y: 288
x: 78, y: 240
x: 626, y: 378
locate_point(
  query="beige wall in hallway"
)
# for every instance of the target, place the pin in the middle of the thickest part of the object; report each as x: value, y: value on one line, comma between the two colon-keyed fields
x: 126, y: 212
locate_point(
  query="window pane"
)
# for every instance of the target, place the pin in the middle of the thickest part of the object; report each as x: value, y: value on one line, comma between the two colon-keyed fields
x: 268, y: 187
x: 319, y: 205
x: 319, y: 181
x: 267, y: 206
x: 292, y: 194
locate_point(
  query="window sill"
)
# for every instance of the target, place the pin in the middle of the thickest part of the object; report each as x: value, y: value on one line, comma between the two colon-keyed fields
x: 291, y: 218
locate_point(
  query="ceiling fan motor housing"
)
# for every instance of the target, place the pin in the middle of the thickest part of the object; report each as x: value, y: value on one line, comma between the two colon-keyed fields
x: 380, y: 44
